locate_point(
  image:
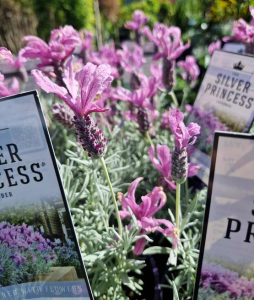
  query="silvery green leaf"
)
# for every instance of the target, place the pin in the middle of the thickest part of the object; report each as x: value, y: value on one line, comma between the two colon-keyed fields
x: 189, y: 212
x: 175, y: 292
x: 172, y: 257
x: 157, y: 250
x: 172, y: 217
x: 125, y: 278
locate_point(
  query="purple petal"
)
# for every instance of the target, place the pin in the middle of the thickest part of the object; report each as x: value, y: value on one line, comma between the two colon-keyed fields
x: 193, y: 129
x: 159, y: 55
x: 179, y: 51
x: 6, y: 54
x: 169, y: 231
x: 147, y: 32
x: 132, y: 188
x: 164, y: 156
x: 139, y: 246
x: 131, y: 25
x: 130, y: 200
x: 32, y: 38
x: 193, y: 169
x: 155, y: 161
x: 69, y: 80
x: 124, y: 214
x: 50, y: 87
x: 93, y: 80
x: 84, y: 78
x: 184, y: 138
x: 47, y: 85
x: 148, y: 224
x: 121, y: 93
x: 14, y: 86
x: 95, y: 108
x: 170, y: 183
x: 152, y: 202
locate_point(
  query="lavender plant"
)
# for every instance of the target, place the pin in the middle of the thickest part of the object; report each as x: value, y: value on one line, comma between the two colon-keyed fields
x: 24, y: 254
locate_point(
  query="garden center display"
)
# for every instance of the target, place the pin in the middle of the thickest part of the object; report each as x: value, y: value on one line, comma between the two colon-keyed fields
x: 118, y: 99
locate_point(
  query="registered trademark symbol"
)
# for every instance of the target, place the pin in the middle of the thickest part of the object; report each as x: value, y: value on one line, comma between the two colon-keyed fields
x: 43, y: 164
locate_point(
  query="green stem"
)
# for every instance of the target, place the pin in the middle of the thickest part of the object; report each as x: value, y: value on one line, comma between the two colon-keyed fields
x: 120, y: 230
x: 186, y: 192
x: 185, y: 93
x: 147, y: 135
x: 178, y: 189
x: 173, y: 96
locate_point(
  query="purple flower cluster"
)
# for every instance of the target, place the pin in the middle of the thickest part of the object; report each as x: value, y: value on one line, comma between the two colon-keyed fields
x: 223, y: 280
x: 24, y: 252
x: 22, y: 238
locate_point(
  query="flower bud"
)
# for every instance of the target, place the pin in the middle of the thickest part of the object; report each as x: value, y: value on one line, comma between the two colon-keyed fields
x: 90, y: 136
x: 63, y: 114
x: 143, y: 120
x: 179, y: 165
x: 134, y: 82
x: 168, y: 74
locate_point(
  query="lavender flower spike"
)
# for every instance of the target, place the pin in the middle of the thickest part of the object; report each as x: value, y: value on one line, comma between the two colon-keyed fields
x: 191, y: 68
x: 170, y: 46
x: 182, y: 134
x: 139, y: 19
x: 79, y: 93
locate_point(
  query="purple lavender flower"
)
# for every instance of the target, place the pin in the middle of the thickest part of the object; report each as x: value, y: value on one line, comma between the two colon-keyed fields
x: 170, y: 46
x: 106, y: 55
x: 191, y: 68
x: 131, y: 60
x: 214, y: 46
x: 138, y: 20
x: 151, y: 203
x: 242, y: 31
x: 62, y: 43
x: 163, y: 165
x: 183, y: 135
x: 8, y: 88
x: 140, y: 99
x: 79, y: 94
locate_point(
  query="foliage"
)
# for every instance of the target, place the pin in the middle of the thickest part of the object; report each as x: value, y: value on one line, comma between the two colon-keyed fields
x: 52, y: 14
x: 221, y: 10
x: 28, y: 214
